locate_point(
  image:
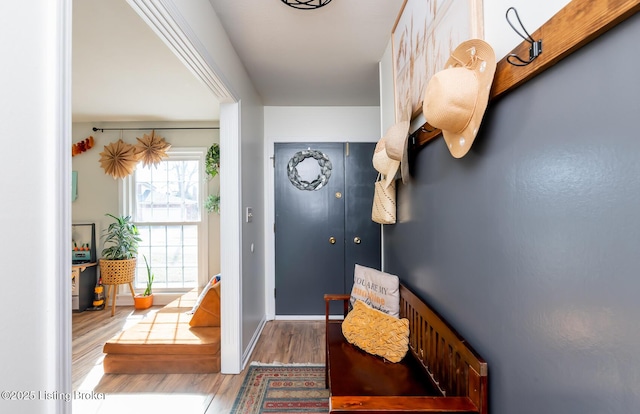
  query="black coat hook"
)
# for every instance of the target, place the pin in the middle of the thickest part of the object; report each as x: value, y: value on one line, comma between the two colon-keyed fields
x: 414, y: 136
x: 536, y: 45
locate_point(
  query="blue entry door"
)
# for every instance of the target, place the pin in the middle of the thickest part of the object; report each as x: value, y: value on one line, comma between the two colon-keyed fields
x: 323, y: 227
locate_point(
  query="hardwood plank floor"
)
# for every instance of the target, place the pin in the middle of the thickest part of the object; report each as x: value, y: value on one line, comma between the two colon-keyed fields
x: 280, y: 341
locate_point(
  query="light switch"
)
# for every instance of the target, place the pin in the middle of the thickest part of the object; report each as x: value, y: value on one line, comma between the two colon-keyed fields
x: 249, y: 214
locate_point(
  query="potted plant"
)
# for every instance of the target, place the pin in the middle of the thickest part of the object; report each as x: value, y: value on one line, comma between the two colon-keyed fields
x: 145, y: 300
x: 118, y: 262
x: 212, y: 161
x: 213, y: 203
x: 212, y: 168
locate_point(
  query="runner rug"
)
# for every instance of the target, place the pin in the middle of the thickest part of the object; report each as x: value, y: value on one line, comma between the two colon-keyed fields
x: 282, y: 389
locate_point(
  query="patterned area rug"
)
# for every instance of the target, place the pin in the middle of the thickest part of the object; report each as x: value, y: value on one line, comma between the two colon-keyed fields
x: 279, y: 389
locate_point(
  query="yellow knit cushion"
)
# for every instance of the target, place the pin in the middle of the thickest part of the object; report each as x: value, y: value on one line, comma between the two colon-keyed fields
x: 376, y: 332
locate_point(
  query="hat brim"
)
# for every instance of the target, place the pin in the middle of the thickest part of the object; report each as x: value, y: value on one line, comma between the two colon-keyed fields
x: 484, y: 67
x: 396, y: 140
x: 396, y: 146
x: 390, y: 176
x: 383, y: 164
x: 404, y: 165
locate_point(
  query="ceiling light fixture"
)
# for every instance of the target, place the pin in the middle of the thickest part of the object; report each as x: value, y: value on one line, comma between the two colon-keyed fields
x: 306, y: 4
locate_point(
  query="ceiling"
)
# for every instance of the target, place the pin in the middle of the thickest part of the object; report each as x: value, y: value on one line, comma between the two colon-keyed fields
x: 122, y: 71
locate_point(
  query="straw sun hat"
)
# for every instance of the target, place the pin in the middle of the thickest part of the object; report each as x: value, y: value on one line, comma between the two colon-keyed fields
x: 389, y: 152
x: 456, y: 97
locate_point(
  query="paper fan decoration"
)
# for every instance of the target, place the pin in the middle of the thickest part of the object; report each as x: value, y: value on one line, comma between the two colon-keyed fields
x: 151, y: 149
x: 118, y: 159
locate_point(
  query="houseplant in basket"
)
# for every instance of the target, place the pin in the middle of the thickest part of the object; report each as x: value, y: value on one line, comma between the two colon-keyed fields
x: 118, y: 262
x: 145, y: 301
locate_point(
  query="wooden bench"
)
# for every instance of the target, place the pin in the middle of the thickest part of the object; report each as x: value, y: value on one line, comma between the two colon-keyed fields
x: 441, y: 373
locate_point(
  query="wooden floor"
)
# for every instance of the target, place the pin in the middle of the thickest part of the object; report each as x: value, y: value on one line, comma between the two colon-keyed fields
x: 281, y: 341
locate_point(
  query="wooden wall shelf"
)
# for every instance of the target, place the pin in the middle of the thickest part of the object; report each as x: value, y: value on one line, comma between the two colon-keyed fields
x: 577, y: 24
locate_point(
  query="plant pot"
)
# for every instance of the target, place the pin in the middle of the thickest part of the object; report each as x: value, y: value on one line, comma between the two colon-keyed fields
x: 142, y: 302
x: 117, y: 272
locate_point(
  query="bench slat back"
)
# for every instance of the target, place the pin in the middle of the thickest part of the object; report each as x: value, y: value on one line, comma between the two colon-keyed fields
x: 454, y: 366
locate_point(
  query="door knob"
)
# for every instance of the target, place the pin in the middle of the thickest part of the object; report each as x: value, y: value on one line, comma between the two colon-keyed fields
x: 357, y: 240
x: 332, y: 240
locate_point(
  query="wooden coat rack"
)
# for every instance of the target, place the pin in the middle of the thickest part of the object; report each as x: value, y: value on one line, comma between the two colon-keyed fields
x: 577, y: 24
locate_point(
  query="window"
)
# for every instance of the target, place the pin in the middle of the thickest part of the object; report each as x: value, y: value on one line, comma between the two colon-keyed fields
x: 166, y: 203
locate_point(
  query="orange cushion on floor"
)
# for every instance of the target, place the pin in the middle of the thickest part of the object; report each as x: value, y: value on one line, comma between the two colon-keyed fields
x: 208, y: 313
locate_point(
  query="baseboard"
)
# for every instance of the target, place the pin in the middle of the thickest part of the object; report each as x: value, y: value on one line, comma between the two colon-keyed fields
x: 159, y: 299
x: 252, y: 344
x: 305, y: 317
x: 299, y: 317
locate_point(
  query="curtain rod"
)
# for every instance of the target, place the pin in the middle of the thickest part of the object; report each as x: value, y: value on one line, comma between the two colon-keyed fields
x: 145, y: 129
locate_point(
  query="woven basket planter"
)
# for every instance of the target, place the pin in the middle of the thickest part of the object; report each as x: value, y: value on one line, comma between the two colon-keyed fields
x: 117, y: 272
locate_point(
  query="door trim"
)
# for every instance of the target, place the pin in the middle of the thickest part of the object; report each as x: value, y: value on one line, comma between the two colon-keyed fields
x: 231, y: 232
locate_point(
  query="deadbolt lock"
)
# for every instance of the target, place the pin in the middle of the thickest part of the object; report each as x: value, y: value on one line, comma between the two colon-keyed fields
x: 338, y: 194
x: 332, y: 240
x: 357, y: 240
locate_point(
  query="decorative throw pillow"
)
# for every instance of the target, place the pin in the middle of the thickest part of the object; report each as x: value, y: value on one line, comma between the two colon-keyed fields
x: 377, y: 289
x: 206, y: 288
x: 208, y: 313
x: 376, y: 332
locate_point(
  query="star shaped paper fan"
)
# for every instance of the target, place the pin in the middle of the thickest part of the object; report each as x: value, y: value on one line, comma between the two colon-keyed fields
x: 151, y: 149
x: 118, y: 159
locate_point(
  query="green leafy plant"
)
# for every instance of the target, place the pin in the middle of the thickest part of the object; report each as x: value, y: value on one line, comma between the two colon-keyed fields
x: 150, y: 277
x: 212, y: 168
x: 212, y: 161
x: 121, y: 239
x: 213, y: 203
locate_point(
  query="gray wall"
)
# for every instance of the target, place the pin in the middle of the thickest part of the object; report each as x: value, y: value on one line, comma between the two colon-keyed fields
x: 530, y: 244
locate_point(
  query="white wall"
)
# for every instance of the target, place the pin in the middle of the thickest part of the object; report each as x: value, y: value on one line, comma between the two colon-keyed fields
x: 387, y: 105
x: 98, y: 193
x: 321, y: 123
x: 35, y: 215
x: 533, y: 14
x: 306, y: 124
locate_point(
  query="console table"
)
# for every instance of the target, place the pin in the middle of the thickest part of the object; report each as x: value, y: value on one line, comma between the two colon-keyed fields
x: 83, y: 281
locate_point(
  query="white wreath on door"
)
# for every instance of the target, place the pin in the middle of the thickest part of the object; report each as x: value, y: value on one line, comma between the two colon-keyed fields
x: 320, y: 181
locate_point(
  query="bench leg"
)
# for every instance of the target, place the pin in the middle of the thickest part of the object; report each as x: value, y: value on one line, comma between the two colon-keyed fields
x: 326, y: 344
